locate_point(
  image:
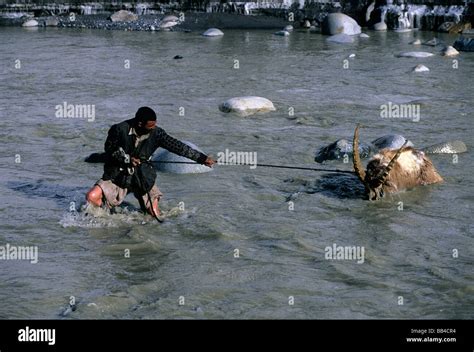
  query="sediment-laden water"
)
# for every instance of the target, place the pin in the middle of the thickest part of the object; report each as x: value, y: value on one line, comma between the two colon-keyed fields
x: 418, y: 261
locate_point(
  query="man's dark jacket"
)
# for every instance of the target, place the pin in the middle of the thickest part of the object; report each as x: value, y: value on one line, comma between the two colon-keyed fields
x: 119, y: 136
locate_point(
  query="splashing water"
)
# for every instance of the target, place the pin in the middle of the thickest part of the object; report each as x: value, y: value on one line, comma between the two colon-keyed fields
x: 91, y: 216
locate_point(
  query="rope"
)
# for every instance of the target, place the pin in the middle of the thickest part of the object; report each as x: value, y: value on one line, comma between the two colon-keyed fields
x: 264, y: 165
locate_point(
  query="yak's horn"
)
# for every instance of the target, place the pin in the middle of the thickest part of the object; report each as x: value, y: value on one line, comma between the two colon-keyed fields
x: 358, y: 168
x: 391, y: 164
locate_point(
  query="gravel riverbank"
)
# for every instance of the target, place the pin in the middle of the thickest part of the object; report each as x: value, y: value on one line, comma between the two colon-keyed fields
x: 192, y: 22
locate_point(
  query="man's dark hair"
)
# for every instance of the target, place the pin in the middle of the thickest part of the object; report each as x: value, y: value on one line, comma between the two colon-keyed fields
x: 145, y: 114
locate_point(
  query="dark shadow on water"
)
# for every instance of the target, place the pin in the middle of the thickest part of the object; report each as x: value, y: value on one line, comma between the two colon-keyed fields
x: 333, y: 185
x: 62, y: 195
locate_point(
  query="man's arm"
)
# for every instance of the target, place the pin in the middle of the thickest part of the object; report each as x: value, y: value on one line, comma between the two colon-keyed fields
x: 177, y: 147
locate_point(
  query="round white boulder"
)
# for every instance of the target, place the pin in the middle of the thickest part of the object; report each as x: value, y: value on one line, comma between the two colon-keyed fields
x: 213, y: 32
x: 288, y: 28
x: 30, y: 23
x: 381, y: 26
x: 416, y: 42
x: 166, y: 161
x: 363, y: 35
x: 421, y: 68
x: 338, y: 23
x: 245, y: 106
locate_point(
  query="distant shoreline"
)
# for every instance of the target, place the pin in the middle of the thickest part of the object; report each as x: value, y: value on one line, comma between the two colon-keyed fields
x: 450, y: 19
x: 194, y: 21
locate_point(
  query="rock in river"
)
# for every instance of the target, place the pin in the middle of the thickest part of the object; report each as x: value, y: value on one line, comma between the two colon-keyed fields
x: 417, y: 54
x: 421, y: 68
x: 245, y: 106
x: 30, y: 23
x: 381, y: 26
x: 464, y: 44
x: 450, y: 51
x: 213, y: 32
x: 338, y: 23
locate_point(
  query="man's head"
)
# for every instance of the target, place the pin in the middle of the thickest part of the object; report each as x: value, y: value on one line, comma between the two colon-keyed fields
x: 145, y: 120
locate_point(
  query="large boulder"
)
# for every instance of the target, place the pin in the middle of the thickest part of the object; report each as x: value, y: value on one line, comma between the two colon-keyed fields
x: 213, y: 32
x: 343, y: 148
x: 30, y: 23
x: 380, y: 26
x: 166, y: 161
x: 464, y: 44
x: 169, y: 22
x: 245, y: 106
x: 338, y: 23
x: 340, y: 149
x: 124, y: 16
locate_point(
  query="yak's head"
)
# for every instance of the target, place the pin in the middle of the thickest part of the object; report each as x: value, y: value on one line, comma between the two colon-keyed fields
x: 375, y: 178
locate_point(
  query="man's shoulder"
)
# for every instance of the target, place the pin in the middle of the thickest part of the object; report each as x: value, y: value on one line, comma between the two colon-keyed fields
x: 158, y: 131
x: 122, y: 126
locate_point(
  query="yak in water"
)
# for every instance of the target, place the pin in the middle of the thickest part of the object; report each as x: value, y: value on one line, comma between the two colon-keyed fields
x: 391, y: 171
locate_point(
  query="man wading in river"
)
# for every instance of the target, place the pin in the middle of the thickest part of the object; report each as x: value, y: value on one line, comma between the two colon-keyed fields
x: 128, y: 149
